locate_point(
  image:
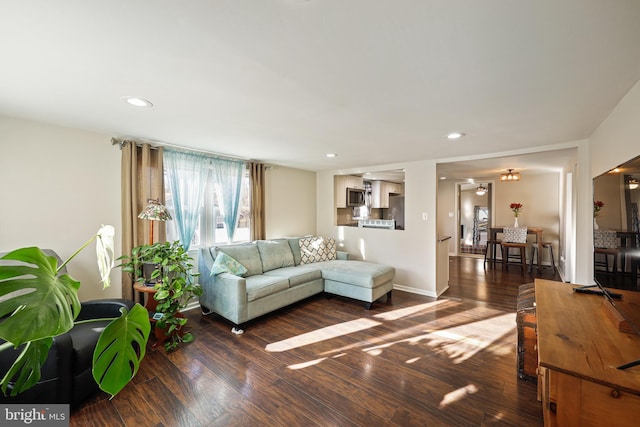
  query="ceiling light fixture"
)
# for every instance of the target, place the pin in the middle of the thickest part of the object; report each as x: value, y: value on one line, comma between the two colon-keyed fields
x: 330, y: 155
x: 633, y: 184
x: 137, y: 102
x: 455, y: 135
x: 481, y: 191
x: 510, y: 176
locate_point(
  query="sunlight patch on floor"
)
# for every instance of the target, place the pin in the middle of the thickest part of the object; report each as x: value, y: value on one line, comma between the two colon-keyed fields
x: 462, y: 341
x: 457, y: 395
x: 408, y: 311
x: 322, y: 334
x: 355, y: 326
x: 306, y: 364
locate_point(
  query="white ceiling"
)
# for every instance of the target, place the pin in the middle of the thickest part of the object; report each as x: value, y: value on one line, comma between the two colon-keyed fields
x: 286, y: 81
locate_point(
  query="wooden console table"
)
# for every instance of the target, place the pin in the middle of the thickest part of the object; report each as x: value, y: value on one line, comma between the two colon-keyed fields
x: 579, y: 349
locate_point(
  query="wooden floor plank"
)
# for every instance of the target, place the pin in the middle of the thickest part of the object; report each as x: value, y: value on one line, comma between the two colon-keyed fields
x: 330, y: 362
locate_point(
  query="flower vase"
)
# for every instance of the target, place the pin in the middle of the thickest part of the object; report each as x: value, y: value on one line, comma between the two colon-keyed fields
x: 515, y: 224
x: 595, y: 224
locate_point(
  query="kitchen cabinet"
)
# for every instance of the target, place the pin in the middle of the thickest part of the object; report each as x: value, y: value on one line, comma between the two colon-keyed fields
x: 380, y: 193
x: 341, y: 183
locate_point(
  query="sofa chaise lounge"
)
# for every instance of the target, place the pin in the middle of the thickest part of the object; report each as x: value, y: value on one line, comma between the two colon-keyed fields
x: 243, y: 281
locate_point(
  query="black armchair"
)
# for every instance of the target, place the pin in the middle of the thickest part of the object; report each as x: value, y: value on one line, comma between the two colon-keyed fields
x: 66, y: 374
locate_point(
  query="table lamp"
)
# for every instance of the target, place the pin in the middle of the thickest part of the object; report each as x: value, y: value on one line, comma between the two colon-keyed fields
x: 154, y: 211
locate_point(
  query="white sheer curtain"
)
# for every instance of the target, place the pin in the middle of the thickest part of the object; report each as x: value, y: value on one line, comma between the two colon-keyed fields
x: 227, y: 176
x: 186, y: 179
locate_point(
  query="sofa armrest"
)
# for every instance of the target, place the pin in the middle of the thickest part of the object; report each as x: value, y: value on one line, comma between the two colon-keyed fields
x: 342, y: 255
x: 226, y: 294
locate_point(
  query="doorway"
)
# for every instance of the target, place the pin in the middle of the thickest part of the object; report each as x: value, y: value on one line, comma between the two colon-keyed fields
x: 474, y: 217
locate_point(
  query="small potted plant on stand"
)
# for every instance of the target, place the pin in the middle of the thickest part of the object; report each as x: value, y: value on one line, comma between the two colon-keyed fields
x: 171, y: 278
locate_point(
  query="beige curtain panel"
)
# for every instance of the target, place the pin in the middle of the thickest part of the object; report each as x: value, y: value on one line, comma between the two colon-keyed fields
x: 256, y: 172
x: 142, y: 179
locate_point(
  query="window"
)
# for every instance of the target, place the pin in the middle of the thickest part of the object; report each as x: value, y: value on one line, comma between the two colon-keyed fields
x: 211, y: 229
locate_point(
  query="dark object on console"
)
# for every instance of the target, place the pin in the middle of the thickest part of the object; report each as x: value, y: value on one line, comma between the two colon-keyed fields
x: 66, y: 374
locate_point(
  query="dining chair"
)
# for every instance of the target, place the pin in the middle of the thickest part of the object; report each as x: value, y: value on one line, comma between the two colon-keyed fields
x: 514, y: 238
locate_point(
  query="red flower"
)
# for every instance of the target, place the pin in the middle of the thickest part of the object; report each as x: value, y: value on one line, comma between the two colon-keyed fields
x: 597, y: 205
x: 516, y: 208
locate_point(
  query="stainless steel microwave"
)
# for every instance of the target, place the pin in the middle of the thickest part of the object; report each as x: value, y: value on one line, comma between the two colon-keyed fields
x: 355, y: 197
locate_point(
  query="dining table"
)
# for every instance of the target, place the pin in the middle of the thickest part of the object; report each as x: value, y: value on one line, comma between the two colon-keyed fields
x: 537, y: 231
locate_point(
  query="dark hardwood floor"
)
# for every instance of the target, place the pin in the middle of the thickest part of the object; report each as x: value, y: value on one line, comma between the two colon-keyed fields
x: 329, y: 362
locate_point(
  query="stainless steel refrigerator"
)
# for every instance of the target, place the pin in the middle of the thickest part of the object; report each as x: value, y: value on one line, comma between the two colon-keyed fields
x: 396, y: 210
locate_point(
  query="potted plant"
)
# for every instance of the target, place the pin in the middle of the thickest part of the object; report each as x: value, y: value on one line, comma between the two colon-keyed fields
x: 173, y: 282
x: 38, y: 302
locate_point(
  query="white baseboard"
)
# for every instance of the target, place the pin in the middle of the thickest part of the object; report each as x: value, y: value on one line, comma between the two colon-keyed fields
x: 419, y: 291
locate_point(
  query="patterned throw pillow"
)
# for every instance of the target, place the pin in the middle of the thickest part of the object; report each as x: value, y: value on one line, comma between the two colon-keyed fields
x: 316, y: 249
x: 226, y: 264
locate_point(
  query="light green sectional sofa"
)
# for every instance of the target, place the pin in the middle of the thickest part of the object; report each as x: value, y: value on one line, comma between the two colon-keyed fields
x: 243, y: 281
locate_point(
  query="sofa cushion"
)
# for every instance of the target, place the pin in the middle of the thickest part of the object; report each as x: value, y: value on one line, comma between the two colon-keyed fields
x: 260, y: 286
x: 275, y: 254
x: 226, y: 264
x: 297, y: 275
x: 358, y: 273
x: 294, y: 244
x: 317, y: 249
x: 246, y: 254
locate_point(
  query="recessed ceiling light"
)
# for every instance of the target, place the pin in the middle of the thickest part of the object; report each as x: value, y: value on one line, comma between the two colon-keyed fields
x: 137, y: 102
x: 443, y: 177
x: 331, y: 155
x: 455, y: 135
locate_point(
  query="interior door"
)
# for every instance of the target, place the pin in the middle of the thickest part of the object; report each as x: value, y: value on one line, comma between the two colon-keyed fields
x: 474, y: 218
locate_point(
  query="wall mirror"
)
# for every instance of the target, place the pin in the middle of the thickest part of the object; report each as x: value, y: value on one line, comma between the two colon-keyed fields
x: 616, y: 224
x: 474, y: 217
x: 370, y: 200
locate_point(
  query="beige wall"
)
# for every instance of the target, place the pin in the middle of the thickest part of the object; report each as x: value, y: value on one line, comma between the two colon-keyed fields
x: 59, y: 185
x: 290, y: 199
x: 412, y: 251
x: 539, y: 196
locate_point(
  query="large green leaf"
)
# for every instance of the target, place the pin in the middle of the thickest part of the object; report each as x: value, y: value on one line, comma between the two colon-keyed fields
x: 25, y: 371
x: 40, y: 303
x: 121, y: 347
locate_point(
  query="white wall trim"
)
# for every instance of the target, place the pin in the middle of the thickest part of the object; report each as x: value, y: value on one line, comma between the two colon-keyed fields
x: 418, y: 291
x: 527, y: 150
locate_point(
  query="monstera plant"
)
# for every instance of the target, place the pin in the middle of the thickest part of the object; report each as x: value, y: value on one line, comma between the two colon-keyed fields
x: 38, y: 303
